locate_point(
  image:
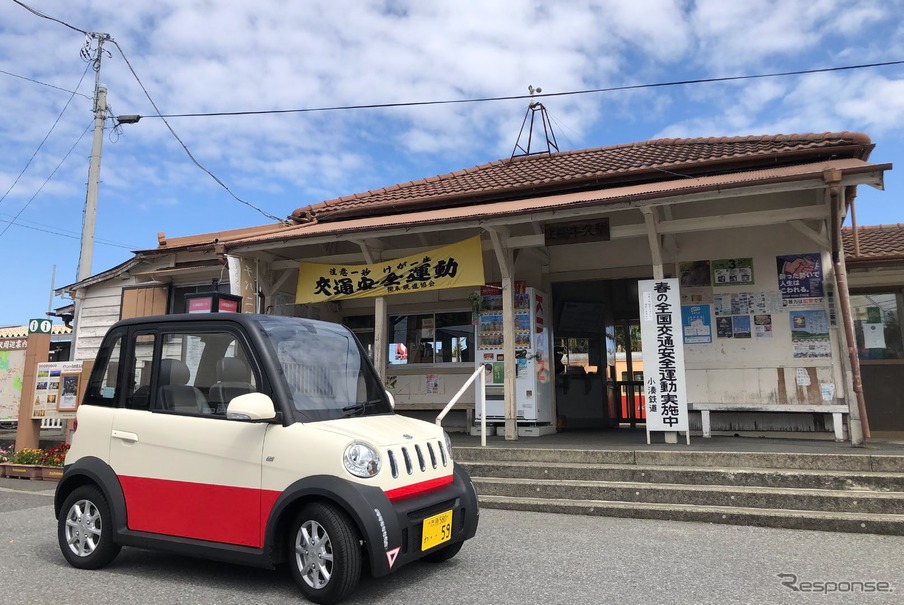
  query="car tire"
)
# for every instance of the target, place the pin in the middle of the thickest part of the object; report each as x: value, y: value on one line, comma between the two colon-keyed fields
x: 324, y: 553
x: 85, y: 529
x: 443, y: 554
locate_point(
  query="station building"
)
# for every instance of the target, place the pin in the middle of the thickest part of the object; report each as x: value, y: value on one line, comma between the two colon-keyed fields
x: 433, y: 276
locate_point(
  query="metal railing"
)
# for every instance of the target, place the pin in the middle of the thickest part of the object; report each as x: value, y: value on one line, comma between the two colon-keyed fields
x: 479, y: 374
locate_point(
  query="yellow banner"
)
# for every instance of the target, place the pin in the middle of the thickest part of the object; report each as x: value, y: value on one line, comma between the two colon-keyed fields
x: 451, y: 266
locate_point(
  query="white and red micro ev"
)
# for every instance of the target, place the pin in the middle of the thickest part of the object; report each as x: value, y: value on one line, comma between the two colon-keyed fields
x: 256, y: 439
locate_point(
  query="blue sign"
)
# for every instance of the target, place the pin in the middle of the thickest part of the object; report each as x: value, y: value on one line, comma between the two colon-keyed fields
x: 696, y: 324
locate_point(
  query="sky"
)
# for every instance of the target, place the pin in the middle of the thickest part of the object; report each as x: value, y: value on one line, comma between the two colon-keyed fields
x: 212, y: 56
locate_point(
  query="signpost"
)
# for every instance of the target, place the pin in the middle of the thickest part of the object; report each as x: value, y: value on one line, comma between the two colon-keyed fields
x: 39, y: 326
x: 663, y: 356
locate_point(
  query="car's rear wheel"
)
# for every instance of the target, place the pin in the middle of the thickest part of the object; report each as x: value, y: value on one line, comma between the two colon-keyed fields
x: 325, y: 555
x: 85, y: 529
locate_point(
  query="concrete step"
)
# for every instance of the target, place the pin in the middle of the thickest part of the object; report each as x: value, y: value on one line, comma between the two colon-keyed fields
x: 861, y: 462
x: 846, y: 501
x: 686, y: 475
x: 790, y: 519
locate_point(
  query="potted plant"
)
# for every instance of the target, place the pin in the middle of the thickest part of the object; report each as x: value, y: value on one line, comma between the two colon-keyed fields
x: 25, y: 463
x: 52, y: 462
x: 4, y: 459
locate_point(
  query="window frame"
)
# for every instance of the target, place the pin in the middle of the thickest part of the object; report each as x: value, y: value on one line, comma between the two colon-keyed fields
x: 898, y: 294
x: 433, y: 313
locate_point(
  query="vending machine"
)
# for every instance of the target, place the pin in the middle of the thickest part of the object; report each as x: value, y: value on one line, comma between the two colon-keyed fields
x: 533, y: 354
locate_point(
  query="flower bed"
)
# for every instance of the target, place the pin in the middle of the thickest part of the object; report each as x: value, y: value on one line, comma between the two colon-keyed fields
x: 33, y: 463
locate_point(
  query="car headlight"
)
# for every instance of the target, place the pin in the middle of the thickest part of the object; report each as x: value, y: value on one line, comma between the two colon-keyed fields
x: 448, y: 443
x: 361, y: 460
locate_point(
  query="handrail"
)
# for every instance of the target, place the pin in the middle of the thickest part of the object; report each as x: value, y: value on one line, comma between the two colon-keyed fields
x: 480, y: 373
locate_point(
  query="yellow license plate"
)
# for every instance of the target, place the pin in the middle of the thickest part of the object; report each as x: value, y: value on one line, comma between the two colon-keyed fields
x: 436, y: 530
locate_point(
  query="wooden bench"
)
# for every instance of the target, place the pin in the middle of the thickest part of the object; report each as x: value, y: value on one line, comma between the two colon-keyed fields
x: 837, y: 412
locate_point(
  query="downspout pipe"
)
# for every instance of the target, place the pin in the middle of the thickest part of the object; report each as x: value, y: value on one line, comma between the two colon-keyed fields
x: 833, y: 182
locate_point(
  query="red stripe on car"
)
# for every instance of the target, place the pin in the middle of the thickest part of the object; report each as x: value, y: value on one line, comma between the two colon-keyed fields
x: 218, y: 513
x: 417, y: 489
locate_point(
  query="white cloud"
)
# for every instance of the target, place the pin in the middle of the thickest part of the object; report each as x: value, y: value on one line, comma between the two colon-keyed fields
x: 228, y: 55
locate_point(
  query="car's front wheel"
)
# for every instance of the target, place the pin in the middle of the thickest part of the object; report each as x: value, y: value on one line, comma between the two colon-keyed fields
x: 325, y: 555
x: 85, y: 529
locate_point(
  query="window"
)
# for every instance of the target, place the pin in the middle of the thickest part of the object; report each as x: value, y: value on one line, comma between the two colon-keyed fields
x: 201, y: 372
x: 102, y: 389
x: 326, y: 371
x: 139, y: 379
x: 431, y: 338
x: 363, y: 327
x: 877, y: 326
x: 197, y: 373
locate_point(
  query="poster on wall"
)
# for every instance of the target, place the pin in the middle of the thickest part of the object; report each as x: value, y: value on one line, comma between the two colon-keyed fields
x: 694, y: 274
x: 697, y: 325
x: 732, y: 271
x: 724, y: 327
x: 740, y: 326
x: 762, y: 325
x: 56, y: 389
x: 12, y: 367
x: 800, y: 279
x: 810, y: 333
x: 873, y: 335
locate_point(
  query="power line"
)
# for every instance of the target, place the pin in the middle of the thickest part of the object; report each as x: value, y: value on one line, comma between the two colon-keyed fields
x: 47, y: 180
x: 801, y: 72
x: 8, y: 73
x: 46, y: 136
x: 52, y: 231
x: 141, y: 84
x: 54, y: 19
x: 184, y: 146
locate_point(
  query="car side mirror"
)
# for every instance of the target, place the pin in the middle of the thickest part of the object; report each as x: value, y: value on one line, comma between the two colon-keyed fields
x: 391, y: 399
x: 251, y: 406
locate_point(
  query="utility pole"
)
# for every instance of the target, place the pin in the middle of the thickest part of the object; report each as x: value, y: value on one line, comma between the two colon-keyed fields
x: 100, y: 110
x: 86, y: 252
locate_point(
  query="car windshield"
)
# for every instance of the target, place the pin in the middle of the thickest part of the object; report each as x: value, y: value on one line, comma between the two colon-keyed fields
x: 326, y: 369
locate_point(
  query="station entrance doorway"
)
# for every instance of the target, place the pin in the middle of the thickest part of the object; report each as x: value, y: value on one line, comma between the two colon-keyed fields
x: 598, y: 357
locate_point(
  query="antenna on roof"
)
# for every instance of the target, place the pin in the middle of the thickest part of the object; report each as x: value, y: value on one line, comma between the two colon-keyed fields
x: 532, y: 109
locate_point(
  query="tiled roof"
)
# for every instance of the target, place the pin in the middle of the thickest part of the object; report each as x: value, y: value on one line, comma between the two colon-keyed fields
x: 508, y: 212
x: 538, y: 175
x: 875, y: 242
x: 22, y: 331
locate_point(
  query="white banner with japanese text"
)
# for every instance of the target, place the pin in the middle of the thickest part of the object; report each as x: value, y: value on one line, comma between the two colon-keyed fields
x: 459, y: 264
x: 663, y: 355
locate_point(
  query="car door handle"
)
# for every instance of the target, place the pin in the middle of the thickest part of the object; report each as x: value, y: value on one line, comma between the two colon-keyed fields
x: 125, y: 436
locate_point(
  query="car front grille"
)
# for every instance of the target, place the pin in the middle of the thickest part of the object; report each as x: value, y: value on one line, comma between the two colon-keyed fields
x: 417, y: 458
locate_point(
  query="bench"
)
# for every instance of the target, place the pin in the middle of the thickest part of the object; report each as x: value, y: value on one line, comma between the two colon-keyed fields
x: 837, y: 412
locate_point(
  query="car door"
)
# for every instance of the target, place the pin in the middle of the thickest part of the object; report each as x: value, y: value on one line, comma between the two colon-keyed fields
x: 185, y: 471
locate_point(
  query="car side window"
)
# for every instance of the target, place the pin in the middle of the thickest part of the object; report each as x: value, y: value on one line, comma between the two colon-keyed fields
x: 139, y: 376
x: 102, y: 387
x: 200, y: 373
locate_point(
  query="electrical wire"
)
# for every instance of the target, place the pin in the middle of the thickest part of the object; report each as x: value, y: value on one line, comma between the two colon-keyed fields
x: 8, y: 73
x: 184, y: 146
x: 35, y: 11
x: 147, y: 94
x: 47, y: 180
x: 70, y: 235
x: 528, y: 96
x: 46, y: 136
